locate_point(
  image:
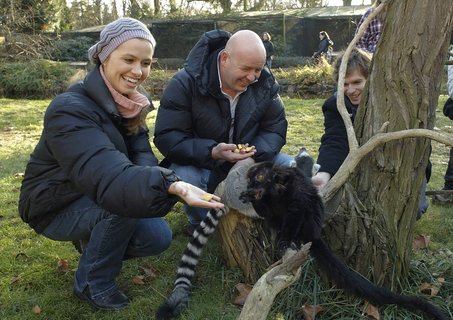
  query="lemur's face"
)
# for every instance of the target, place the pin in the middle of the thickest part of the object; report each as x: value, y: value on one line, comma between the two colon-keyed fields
x: 264, y: 180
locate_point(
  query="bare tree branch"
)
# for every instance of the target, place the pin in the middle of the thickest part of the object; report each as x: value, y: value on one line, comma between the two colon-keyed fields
x: 352, y: 139
x: 356, y: 155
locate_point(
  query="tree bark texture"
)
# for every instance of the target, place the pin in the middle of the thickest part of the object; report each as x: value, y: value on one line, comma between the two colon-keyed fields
x: 374, y: 213
x: 246, y: 243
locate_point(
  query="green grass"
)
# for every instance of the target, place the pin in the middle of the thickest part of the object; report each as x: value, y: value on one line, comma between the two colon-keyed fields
x: 29, y: 275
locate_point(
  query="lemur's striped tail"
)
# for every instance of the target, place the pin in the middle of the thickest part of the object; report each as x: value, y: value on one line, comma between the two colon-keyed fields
x: 178, y: 300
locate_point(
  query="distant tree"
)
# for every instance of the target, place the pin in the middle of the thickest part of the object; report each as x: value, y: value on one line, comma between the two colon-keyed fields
x: 62, y: 19
x: 157, y: 8
x: 27, y: 16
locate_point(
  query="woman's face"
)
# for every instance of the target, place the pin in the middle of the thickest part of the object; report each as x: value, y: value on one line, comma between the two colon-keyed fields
x: 354, y: 82
x: 129, y: 65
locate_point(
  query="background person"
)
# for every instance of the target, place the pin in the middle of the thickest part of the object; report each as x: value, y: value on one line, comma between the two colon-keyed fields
x: 369, y: 40
x: 448, y: 112
x: 269, y: 46
x: 93, y: 177
x: 224, y: 96
x: 325, y: 47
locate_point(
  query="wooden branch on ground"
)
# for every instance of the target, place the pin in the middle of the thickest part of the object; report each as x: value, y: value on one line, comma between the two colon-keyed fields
x: 261, y: 298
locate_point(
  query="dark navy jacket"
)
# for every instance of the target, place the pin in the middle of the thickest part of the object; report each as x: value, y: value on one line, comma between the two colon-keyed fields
x: 334, y: 146
x: 84, y: 150
x: 194, y: 115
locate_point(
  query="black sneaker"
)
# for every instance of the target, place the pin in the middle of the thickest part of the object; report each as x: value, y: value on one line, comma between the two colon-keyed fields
x: 116, y: 301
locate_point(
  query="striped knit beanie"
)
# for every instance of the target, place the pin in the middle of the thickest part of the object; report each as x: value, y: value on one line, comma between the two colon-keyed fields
x: 115, y: 34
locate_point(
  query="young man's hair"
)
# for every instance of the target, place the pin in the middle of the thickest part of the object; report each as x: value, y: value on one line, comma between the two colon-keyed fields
x: 358, y: 60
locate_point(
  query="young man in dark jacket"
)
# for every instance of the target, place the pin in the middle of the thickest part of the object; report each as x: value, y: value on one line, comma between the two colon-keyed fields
x: 334, y: 146
x: 224, y: 96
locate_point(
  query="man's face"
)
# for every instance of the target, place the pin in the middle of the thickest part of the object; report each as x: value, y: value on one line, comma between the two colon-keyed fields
x: 239, y: 70
x: 354, y: 83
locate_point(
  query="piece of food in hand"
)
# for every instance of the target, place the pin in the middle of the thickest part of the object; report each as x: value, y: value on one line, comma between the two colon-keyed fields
x: 244, y: 148
x: 207, y: 196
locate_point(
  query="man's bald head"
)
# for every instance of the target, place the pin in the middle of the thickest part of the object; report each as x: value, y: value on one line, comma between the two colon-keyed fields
x: 241, y: 62
x: 246, y: 42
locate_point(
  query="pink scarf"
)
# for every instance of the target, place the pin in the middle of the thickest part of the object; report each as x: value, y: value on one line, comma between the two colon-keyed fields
x: 130, y: 106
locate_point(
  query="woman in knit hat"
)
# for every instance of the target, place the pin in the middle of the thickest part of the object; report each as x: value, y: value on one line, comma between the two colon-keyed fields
x: 93, y: 178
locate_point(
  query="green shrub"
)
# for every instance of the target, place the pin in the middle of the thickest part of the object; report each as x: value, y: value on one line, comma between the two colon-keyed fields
x: 37, y: 79
x: 71, y: 49
x: 307, y: 81
x: 170, y: 63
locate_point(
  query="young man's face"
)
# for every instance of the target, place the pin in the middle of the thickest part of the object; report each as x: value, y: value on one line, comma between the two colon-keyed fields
x: 354, y: 83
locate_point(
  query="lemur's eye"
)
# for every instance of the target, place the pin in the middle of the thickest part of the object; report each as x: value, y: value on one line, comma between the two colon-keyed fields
x: 259, y: 177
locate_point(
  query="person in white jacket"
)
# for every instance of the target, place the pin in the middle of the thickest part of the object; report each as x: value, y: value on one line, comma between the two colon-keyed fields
x: 448, y: 112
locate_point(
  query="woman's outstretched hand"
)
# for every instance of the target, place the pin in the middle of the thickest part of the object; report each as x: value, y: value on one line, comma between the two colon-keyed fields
x: 194, y: 196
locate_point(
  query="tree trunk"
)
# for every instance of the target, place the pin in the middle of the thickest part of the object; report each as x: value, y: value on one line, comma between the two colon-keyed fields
x: 246, y: 243
x: 375, y: 212
x: 372, y: 217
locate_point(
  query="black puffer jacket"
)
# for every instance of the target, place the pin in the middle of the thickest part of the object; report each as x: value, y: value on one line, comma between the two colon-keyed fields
x: 84, y: 150
x: 194, y: 115
x: 334, y: 146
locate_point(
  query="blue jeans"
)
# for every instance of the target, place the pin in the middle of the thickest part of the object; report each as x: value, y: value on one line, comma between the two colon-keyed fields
x: 449, y: 173
x: 110, y: 240
x: 200, y: 177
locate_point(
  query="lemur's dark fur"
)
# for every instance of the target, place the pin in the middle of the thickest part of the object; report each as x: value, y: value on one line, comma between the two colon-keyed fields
x: 287, y: 199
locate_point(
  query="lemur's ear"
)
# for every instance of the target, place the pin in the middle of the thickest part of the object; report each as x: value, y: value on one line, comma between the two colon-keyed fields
x: 305, y: 163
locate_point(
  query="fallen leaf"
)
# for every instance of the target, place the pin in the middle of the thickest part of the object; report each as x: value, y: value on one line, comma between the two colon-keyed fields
x: 371, y: 311
x: 150, y: 272
x: 14, y: 279
x: 63, y: 265
x: 21, y: 255
x: 243, y: 292
x: 138, y: 280
x: 431, y: 289
x: 36, y: 310
x: 309, y: 311
x: 421, y: 242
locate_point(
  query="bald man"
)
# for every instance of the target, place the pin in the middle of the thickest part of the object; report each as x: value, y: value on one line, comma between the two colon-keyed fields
x: 223, y: 97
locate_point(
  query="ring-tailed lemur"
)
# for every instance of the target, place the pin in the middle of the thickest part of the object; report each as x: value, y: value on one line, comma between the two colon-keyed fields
x: 286, y: 198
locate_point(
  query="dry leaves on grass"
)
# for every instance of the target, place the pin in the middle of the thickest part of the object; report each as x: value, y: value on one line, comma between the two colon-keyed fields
x: 432, y: 289
x: 310, y: 311
x: 243, y: 292
x: 149, y: 273
x: 15, y: 279
x: 36, y: 309
x: 371, y: 311
x: 421, y: 242
x: 63, y: 265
